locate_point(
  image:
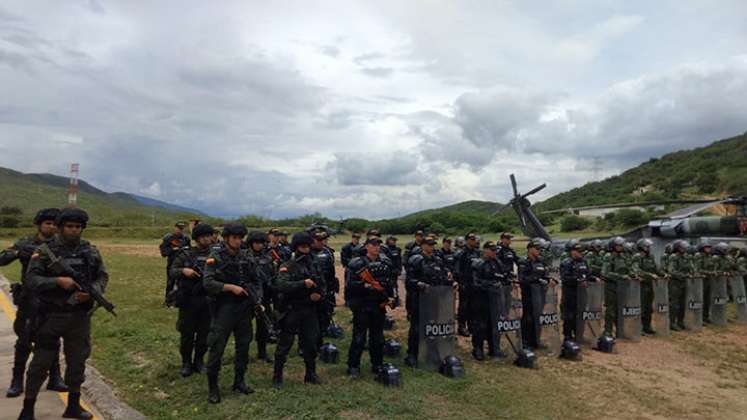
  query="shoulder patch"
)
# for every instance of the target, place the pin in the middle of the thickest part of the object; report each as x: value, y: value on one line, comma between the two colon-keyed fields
x: 210, y: 261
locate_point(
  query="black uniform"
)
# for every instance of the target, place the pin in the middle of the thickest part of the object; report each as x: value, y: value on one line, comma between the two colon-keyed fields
x: 297, y: 313
x: 325, y: 259
x: 279, y: 254
x: 170, y: 246
x: 423, y: 271
x: 463, y: 274
x: 265, y: 270
x: 26, y: 305
x: 194, y: 315
x: 368, y: 312
x: 573, y: 274
x: 533, y: 278
x: 60, y: 316
x: 449, y: 257
x: 348, y: 252
x: 395, y: 255
x: 487, y: 277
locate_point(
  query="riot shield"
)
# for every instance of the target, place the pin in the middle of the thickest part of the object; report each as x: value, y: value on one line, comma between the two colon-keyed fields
x: 590, y: 321
x: 505, y: 320
x: 660, y: 311
x: 693, y: 320
x: 740, y: 298
x: 550, y: 320
x: 437, y: 326
x: 719, y: 298
x: 629, y: 309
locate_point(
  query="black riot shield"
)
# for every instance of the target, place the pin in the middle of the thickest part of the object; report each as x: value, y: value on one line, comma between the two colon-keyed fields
x: 505, y: 320
x: 740, y: 298
x: 660, y: 311
x: 629, y: 309
x: 437, y: 326
x: 550, y: 320
x: 719, y: 298
x: 590, y: 314
x: 693, y: 320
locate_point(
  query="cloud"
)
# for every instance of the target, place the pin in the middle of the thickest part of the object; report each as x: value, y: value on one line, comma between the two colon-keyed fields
x: 394, y: 168
x: 377, y: 71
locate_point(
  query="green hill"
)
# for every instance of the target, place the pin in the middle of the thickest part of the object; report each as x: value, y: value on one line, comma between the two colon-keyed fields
x: 474, y: 207
x: 714, y: 170
x: 30, y: 192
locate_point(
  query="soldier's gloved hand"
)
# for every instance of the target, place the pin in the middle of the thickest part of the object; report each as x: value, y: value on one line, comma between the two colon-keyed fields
x: 236, y: 290
x: 422, y: 286
x: 542, y: 282
x: 81, y: 297
x: 188, y: 272
x: 315, y: 297
x: 67, y: 283
x: 309, y: 283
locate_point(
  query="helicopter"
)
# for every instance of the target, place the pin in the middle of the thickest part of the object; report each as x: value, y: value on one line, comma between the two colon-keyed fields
x: 685, y: 223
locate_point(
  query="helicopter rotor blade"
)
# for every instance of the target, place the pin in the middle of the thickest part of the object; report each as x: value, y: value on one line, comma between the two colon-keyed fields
x: 513, y: 184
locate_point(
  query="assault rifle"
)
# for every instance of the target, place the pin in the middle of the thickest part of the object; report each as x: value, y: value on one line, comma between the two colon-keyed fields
x: 369, y: 279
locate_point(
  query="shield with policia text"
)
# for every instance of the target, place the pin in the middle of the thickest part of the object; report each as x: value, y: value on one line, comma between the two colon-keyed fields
x: 629, y: 309
x: 436, y: 326
x: 740, y: 298
x: 590, y: 315
x: 693, y: 320
x: 550, y: 319
x: 719, y: 297
x: 660, y: 311
x: 505, y: 320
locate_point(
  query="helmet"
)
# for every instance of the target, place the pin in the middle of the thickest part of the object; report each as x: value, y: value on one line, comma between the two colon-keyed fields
x: 536, y: 243
x: 72, y: 214
x: 721, y: 248
x: 668, y: 248
x: 234, y: 229
x: 644, y: 244
x: 256, y: 236
x: 46, y: 214
x: 681, y: 245
x: 201, y: 230
x: 617, y: 240
x: 692, y: 249
x: 629, y: 247
x: 704, y: 245
x: 597, y: 244
x: 573, y: 244
x: 300, y: 238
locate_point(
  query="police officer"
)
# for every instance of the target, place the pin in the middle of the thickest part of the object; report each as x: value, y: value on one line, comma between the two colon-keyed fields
x: 170, y: 247
x: 680, y: 268
x: 349, y: 251
x: 194, y: 315
x: 446, y: 252
x: 706, y: 266
x: 371, y: 291
x: 64, y: 309
x: 395, y: 255
x: 231, y: 280
x: 413, y: 245
x: 301, y: 288
x: 533, y: 278
x: 265, y: 270
x: 275, y: 249
x: 426, y: 269
x: 325, y: 259
x: 488, y: 276
x: 463, y: 276
x: 574, y: 273
x: 644, y: 268
x: 24, y: 300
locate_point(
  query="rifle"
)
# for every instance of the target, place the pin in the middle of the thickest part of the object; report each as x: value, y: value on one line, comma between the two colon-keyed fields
x: 258, y: 309
x: 368, y: 278
x: 84, y: 280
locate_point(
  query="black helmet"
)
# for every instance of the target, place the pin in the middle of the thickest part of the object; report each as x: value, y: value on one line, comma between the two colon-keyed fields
x: 597, y: 244
x: 234, y: 229
x: 202, y: 229
x: 721, y: 248
x: 573, y: 244
x: 538, y: 243
x: 617, y: 240
x: 72, y: 214
x: 644, y: 244
x: 692, y: 249
x: 46, y: 214
x: 668, y: 248
x: 704, y: 245
x: 256, y: 236
x: 681, y: 245
x: 300, y: 238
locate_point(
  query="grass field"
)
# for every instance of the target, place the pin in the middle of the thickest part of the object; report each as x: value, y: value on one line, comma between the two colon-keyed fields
x: 685, y: 376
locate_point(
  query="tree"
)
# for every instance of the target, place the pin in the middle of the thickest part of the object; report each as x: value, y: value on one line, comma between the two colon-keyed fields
x: 572, y: 223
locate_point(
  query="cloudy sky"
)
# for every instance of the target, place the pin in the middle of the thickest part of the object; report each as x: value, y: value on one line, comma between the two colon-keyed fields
x: 361, y: 108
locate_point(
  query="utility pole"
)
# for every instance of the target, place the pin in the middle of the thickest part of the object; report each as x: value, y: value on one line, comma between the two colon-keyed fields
x: 72, y: 190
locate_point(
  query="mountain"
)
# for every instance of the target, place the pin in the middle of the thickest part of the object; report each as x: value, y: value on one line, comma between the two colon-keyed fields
x: 712, y: 171
x: 30, y: 192
x: 475, y: 207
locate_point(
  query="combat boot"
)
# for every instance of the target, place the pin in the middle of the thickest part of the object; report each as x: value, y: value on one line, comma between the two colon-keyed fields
x: 239, y: 384
x: 213, y: 389
x: 186, y: 369
x: 262, y: 353
x: 411, y: 361
x: 478, y: 354
x: 462, y: 330
x: 74, y: 410
x: 55, y: 382
x: 199, y: 365
x: 28, y: 409
x: 311, y: 377
x: 16, y: 385
x: 354, y: 372
x: 277, y: 375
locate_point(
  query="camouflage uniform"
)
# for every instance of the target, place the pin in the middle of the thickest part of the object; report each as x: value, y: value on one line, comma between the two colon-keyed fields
x: 645, y: 269
x: 615, y: 268
x: 680, y: 268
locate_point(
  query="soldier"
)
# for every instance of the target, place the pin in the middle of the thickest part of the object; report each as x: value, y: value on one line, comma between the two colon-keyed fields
x: 508, y: 259
x: 644, y: 268
x: 193, y: 323
x: 371, y: 291
x: 463, y: 276
x: 283, y: 236
x: 487, y: 276
x: 24, y: 300
x: 458, y: 243
x: 447, y: 253
x: 615, y: 268
x: 594, y: 257
x: 326, y: 262
x: 348, y: 251
x: 679, y: 268
x: 170, y: 247
x: 705, y: 266
x: 414, y: 244
x: 265, y: 270
x: 665, y: 257
x: 426, y: 269
x: 395, y: 255
x: 235, y: 288
x: 64, y: 308
x: 301, y: 288
x: 277, y: 251
x: 533, y: 278
x: 574, y: 273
